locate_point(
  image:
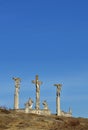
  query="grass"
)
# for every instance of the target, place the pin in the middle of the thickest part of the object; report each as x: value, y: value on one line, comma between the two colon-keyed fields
x: 11, y: 120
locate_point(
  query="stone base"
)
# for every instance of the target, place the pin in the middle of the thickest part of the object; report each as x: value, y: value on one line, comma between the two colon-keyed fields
x: 34, y: 111
x: 40, y: 112
x: 66, y: 114
x: 43, y: 112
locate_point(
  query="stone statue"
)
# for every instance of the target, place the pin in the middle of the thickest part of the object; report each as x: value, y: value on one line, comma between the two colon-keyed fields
x: 29, y: 104
x: 37, y: 84
x: 45, y: 105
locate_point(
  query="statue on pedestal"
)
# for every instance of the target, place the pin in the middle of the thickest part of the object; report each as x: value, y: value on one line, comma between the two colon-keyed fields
x: 37, y: 84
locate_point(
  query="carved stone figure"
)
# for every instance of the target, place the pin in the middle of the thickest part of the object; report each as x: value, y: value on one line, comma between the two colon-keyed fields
x: 45, y: 105
x: 30, y: 103
x: 37, y: 84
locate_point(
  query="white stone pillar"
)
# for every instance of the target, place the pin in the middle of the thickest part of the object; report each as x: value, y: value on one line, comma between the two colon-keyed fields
x: 16, y: 94
x: 58, y: 110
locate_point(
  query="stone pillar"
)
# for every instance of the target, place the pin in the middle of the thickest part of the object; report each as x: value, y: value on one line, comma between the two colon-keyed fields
x: 16, y: 94
x: 58, y: 111
x: 37, y: 84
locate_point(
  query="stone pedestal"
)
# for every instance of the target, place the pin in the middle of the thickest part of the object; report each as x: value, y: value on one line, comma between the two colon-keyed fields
x: 40, y: 112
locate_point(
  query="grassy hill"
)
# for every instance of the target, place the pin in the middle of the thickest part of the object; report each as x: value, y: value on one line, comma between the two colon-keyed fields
x: 11, y: 120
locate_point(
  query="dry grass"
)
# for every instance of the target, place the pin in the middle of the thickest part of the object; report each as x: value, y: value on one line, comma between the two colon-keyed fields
x: 10, y: 120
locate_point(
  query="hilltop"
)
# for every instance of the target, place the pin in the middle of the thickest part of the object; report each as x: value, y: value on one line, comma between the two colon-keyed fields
x: 11, y: 120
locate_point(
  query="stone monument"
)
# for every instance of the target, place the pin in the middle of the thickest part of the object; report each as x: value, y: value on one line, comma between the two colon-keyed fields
x: 58, y: 111
x: 16, y: 94
x: 45, y: 105
x: 37, y: 84
x: 28, y: 105
x: 37, y: 110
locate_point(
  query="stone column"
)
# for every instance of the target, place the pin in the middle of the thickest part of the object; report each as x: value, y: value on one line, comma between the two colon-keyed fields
x: 37, y: 84
x: 58, y: 111
x: 16, y: 94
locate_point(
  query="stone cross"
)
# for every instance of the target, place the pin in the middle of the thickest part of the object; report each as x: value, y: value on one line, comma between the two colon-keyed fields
x: 58, y: 111
x: 16, y: 94
x: 37, y: 84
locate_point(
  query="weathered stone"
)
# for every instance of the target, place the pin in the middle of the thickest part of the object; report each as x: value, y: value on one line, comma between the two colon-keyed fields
x: 28, y: 105
x: 37, y: 84
x: 16, y: 94
x: 58, y: 111
x: 45, y: 105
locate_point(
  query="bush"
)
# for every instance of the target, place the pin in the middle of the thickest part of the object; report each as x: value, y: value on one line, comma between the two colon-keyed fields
x: 4, y: 110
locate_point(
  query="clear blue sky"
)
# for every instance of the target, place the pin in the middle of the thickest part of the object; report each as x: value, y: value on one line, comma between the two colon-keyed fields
x: 48, y: 38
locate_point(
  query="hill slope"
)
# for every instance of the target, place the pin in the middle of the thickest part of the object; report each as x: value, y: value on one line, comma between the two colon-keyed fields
x: 10, y: 120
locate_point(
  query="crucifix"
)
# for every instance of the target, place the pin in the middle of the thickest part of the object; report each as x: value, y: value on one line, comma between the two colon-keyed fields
x: 58, y: 98
x: 37, y: 84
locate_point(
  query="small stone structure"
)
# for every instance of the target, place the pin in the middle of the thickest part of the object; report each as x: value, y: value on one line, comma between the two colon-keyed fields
x: 66, y: 114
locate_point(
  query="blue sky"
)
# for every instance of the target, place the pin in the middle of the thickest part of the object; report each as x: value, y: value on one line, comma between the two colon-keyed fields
x: 48, y: 38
